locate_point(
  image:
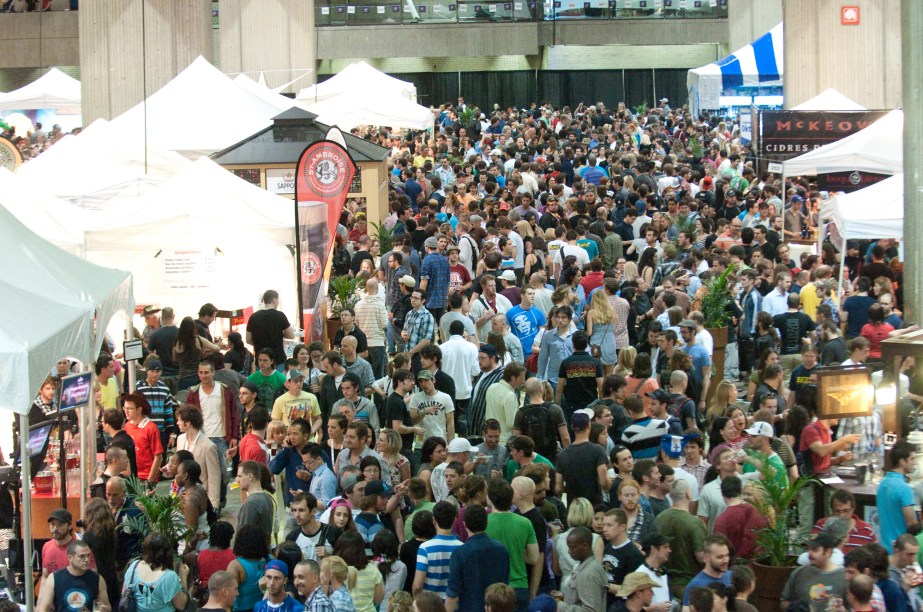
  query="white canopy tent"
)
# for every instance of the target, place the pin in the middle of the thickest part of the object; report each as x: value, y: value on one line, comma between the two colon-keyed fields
x: 204, y: 230
x: 98, y: 163
x: 349, y: 110
x: 878, y: 148
x: 53, y: 91
x: 51, y: 218
x: 876, y: 211
x: 359, y: 78
x: 829, y: 100
x: 259, y: 88
x: 197, y: 113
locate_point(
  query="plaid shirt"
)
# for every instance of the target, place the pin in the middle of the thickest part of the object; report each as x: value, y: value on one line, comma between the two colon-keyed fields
x: 869, y: 431
x: 421, y: 325
x: 622, y: 311
x: 318, y: 602
x: 342, y: 601
x: 698, y: 471
x: 435, y: 269
x: 162, y: 404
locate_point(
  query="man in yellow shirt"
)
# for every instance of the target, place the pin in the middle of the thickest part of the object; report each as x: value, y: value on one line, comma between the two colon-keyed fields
x: 108, y: 385
x: 809, y: 298
x: 296, y: 403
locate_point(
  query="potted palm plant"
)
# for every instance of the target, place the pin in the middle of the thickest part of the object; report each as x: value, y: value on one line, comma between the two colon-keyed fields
x: 716, y: 303
x: 341, y: 293
x: 778, y: 540
x: 158, y: 514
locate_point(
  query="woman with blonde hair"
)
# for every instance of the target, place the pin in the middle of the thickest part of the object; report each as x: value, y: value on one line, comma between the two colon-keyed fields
x: 600, y: 327
x: 580, y: 514
x: 626, y: 361
x: 725, y: 396
x: 630, y: 271
x: 388, y: 446
x: 334, y: 579
x: 524, y: 229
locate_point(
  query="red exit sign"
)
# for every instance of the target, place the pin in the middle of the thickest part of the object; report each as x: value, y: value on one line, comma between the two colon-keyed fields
x: 849, y: 15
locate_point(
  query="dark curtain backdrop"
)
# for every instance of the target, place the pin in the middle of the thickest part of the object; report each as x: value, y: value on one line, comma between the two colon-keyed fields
x: 560, y: 87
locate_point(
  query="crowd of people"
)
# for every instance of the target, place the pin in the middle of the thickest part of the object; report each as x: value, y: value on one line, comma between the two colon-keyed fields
x: 520, y: 409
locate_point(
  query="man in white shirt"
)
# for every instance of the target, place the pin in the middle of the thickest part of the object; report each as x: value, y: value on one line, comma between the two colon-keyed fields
x: 776, y: 302
x: 460, y: 361
x: 570, y: 248
x: 488, y: 304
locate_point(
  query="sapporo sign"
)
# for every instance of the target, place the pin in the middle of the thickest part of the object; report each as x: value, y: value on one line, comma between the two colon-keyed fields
x: 787, y: 134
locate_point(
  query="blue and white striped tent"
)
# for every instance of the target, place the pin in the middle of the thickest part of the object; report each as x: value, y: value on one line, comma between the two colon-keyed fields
x: 759, y: 64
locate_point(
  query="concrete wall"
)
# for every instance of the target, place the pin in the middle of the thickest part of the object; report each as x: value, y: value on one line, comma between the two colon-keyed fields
x: 117, y: 54
x: 862, y: 61
x: 750, y: 19
x: 486, y: 41
x: 31, y: 40
x: 275, y: 37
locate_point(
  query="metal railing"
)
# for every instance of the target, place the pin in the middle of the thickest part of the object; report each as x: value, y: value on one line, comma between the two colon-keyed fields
x: 402, y: 12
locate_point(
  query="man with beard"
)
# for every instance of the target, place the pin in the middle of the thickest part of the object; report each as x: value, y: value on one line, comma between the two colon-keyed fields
x: 716, y: 557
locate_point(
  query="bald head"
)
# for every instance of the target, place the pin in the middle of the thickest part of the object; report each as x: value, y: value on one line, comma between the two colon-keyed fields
x: 371, y: 286
x: 350, y: 343
x: 533, y: 388
x: 523, y: 488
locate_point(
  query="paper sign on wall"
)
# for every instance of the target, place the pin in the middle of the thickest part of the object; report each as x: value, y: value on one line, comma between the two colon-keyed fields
x: 187, y: 269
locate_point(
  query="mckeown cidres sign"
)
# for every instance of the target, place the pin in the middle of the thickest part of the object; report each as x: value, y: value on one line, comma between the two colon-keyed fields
x: 787, y: 134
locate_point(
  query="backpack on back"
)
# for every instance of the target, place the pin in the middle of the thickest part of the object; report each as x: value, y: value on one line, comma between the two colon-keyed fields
x: 536, y: 423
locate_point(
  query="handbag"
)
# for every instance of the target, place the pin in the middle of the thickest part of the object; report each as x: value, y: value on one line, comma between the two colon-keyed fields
x: 128, y: 603
x: 596, y: 351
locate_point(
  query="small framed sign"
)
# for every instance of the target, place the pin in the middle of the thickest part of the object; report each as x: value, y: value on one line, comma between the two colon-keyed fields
x: 844, y: 391
x: 133, y: 350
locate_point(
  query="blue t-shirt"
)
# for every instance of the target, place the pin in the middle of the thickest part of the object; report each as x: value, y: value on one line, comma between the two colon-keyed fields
x: 700, y: 357
x: 703, y: 580
x: 525, y: 325
x: 893, y: 495
x: 290, y: 604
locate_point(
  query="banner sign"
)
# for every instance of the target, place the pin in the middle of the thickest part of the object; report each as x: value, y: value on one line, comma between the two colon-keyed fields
x: 787, y: 134
x: 324, y: 173
x: 848, y: 181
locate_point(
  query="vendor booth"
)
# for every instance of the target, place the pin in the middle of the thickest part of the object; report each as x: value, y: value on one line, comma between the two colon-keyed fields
x: 750, y: 75
x: 359, y: 78
x: 56, y: 305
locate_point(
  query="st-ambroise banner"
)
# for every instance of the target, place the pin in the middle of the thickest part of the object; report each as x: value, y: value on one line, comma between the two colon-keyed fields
x: 324, y: 173
x: 787, y: 134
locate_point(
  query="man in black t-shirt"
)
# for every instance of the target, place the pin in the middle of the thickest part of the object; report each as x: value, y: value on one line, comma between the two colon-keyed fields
x: 580, y: 377
x: 579, y: 461
x: 620, y: 556
x: 396, y: 415
x: 794, y: 328
x: 266, y: 328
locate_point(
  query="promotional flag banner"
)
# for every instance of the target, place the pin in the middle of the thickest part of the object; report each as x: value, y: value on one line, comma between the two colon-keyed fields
x: 324, y: 173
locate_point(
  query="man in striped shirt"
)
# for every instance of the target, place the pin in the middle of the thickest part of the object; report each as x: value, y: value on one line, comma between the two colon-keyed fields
x: 434, y: 555
x: 843, y: 506
x: 162, y: 402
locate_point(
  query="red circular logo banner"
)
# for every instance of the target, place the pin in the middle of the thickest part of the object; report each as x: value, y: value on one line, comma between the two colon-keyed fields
x: 328, y: 171
x: 310, y: 268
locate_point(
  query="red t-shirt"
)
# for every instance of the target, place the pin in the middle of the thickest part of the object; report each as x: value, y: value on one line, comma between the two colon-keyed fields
x: 211, y: 561
x: 254, y: 448
x: 816, y: 432
x: 875, y: 334
x: 738, y: 524
x: 458, y: 276
x: 147, y: 444
x: 54, y: 557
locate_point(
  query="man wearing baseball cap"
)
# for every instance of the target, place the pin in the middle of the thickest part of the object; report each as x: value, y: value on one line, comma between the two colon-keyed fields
x: 459, y: 450
x: 161, y: 400
x: 577, y: 462
x: 820, y: 576
x: 765, y: 459
x: 54, y: 552
x: 638, y: 592
x: 275, y: 575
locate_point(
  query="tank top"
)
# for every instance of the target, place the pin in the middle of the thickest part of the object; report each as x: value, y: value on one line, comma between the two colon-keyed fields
x: 75, y: 592
x: 249, y: 592
x: 188, y: 361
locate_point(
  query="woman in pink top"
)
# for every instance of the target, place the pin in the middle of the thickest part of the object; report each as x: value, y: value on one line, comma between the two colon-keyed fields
x: 876, y: 330
x: 641, y: 381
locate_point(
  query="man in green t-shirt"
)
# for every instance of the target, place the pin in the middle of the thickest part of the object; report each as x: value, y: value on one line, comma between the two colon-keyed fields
x: 416, y: 489
x: 267, y: 379
x: 764, y: 458
x: 516, y: 533
x: 687, y: 535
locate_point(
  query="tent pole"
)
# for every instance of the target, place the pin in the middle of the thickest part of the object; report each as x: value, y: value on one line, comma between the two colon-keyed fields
x: 25, y: 517
x: 88, y: 446
x: 839, y: 278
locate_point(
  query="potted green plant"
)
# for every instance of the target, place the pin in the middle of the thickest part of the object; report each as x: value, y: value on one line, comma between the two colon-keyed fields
x: 716, y: 302
x: 341, y: 293
x: 778, y: 540
x: 384, y: 235
x: 158, y: 513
